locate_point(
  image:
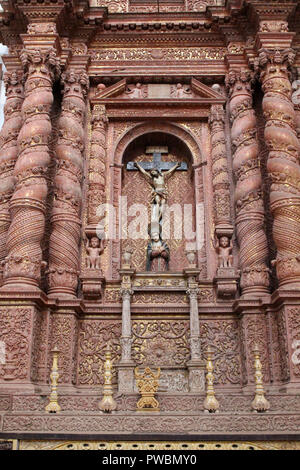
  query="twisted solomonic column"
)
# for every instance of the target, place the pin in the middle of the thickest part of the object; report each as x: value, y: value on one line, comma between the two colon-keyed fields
x: 220, y: 180
x: 24, y: 261
x: 248, y: 192
x: 283, y: 162
x: 96, y: 189
x: 65, y: 218
x: 9, y: 152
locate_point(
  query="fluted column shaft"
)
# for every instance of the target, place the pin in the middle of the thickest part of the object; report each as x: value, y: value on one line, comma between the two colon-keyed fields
x: 248, y: 190
x: 220, y: 179
x: 9, y: 152
x: 65, y: 218
x: 24, y: 260
x: 283, y: 162
x: 96, y: 189
x: 194, y: 324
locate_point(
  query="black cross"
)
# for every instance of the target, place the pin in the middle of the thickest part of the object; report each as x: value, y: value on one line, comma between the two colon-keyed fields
x: 157, y: 162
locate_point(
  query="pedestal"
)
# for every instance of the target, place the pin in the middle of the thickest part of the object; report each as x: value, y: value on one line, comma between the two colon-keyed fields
x: 125, y: 376
x: 196, y: 370
x: 227, y: 282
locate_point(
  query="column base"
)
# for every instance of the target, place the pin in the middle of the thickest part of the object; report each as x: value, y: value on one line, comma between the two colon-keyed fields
x: 126, y: 376
x: 62, y: 292
x: 20, y: 284
x: 255, y: 292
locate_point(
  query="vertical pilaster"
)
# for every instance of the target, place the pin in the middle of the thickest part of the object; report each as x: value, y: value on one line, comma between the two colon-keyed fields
x: 97, y: 167
x: 126, y: 364
x: 196, y: 364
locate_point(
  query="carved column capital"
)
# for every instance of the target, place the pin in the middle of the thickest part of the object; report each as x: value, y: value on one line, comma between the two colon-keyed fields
x: 40, y: 62
x: 193, y: 293
x: 275, y: 57
x: 75, y: 82
x: 217, y: 114
x: 126, y: 293
x: 239, y: 80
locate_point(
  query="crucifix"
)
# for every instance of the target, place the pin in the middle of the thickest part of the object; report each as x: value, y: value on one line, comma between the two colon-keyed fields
x: 156, y: 173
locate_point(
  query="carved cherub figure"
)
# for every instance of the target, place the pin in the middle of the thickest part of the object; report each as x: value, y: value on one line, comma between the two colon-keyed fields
x: 94, y: 248
x: 135, y: 92
x: 223, y: 246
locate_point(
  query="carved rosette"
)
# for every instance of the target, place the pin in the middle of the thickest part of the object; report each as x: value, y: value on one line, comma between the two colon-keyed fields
x: 9, y: 152
x: 96, y: 190
x: 65, y: 218
x: 283, y: 161
x: 220, y: 179
x: 24, y: 260
x: 248, y: 191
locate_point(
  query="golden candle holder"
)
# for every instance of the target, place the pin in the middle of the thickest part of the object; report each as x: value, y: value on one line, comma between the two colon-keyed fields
x: 107, y: 404
x: 211, y: 404
x: 53, y: 406
x: 147, y: 384
x: 260, y: 403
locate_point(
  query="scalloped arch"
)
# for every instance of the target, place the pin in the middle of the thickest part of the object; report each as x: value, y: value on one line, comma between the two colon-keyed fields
x: 145, y: 128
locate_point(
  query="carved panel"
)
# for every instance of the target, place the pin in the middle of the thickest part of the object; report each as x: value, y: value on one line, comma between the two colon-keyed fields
x: 222, y: 336
x: 15, y: 332
x: 63, y: 335
x: 93, y: 338
x: 161, y: 342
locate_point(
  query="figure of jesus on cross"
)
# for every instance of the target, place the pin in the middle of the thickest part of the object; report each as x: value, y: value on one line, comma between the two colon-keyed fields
x: 157, y: 179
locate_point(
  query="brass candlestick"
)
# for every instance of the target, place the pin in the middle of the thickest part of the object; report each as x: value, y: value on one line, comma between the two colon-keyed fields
x: 107, y: 404
x: 210, y: 404
x: 53, y: 406
x: 260, y: 403
x: 147, y: 384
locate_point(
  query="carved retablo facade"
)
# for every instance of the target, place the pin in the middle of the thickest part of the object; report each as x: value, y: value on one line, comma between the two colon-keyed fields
x: 150, y: 200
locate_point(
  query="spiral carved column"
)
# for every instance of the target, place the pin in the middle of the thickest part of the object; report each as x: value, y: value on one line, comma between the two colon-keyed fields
x: 96, y: 191
x: 9, y: 152
x: 219, y: 166
x: 248, y: 192
x: 283, y: 162
x: 65, y: 219
x: 24, y: 260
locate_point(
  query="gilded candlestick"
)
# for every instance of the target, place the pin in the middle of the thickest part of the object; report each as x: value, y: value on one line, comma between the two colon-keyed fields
x: 260, y: 403
x: 107, y: 404
x: 211, y: 404
x: 53, y: 406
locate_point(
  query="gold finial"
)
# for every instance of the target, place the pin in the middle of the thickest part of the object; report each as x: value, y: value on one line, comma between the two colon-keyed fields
x: 211, y: 404
x: 53, y: 406
x: 147, y: 384
x: 107, y: 403
x: 260, y: 403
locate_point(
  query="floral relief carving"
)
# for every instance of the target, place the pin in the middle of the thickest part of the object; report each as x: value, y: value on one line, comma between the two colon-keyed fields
x: 222, y: 337
x: 93, y: 338
x: 15, y: 332
x: 160, y: 342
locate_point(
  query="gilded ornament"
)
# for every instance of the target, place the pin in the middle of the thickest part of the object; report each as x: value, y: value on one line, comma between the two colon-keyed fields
x: 210, y: 404
x: 107, y: 404
x: 260, y: 403
x: 53, y: 406
x: 147, y: 384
